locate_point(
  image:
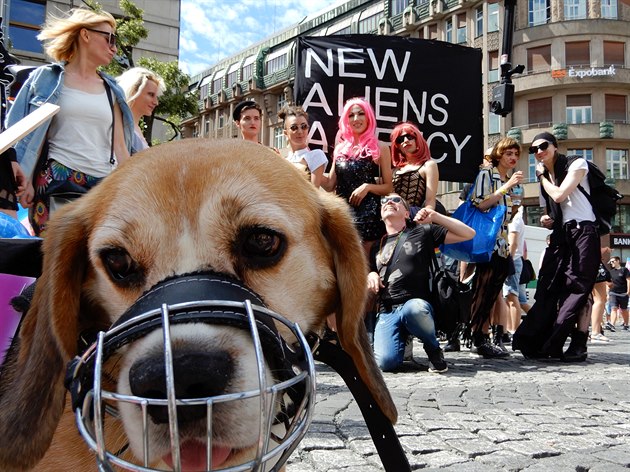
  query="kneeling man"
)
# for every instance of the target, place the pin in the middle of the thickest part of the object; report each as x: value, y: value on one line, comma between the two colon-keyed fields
x: 400, y: 276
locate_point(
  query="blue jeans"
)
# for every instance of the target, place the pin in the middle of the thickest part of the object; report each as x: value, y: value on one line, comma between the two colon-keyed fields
x: 414, y: 317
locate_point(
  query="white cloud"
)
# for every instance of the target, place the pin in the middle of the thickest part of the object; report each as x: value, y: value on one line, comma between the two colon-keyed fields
x: 212, y: 30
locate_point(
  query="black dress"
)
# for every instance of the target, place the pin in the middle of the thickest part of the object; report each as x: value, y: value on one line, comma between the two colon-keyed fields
x: 351, y: 173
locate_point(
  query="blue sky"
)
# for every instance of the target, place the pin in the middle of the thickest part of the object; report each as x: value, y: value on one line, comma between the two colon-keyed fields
x: 212, y: 30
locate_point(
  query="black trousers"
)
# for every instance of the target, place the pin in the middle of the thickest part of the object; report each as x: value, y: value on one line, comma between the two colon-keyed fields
x: 565, y: 283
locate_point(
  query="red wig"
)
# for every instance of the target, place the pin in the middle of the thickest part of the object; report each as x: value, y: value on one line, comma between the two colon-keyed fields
x: 422, y: 153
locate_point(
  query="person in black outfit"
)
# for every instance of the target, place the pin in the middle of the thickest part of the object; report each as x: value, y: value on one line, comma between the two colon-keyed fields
x: 571, y: 262
x: 400, y: 277
x: 12, y: 182
x: 619, y: 290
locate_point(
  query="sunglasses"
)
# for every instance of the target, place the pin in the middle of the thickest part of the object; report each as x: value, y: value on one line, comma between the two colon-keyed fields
x: 541, y: 147
x: 111, y: 37
x: 401, y: 138
x: 395, y: 199
x: 303, y: 127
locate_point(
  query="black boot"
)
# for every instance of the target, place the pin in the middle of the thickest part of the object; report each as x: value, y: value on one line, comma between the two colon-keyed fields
x: 497, y: 337
x: 576, y: 351
x: 453, y: 344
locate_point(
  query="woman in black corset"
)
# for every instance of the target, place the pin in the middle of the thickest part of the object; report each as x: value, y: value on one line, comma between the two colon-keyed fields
x: 416, y: 175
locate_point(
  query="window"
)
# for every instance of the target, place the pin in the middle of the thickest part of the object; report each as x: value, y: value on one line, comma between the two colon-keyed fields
x: 609, y: 9
x: 584, y: 153
x: 579, y: 109
x: 462, y: 31
x: 617, y: 163
x: 494, y: 123
x: 369, y: 24
x: 24, y: 24
x: 539, y: 111
x: 232, y: 74
x: 397, y: 7
x: 204, y: 87
x: 217, y: 85
x: 614, y: 53
x: 577, y: 54
x: 206, y: 125
x: 448, y: 31
x: 279, y: 138
x: 574, y: 9
x: 493, y: 17
x: 282, y: 101
x: 221, y: 120
x: 346, y: 30
x: 616, y: 106
x: 533, y: 214
x: 539, y: 59
x: 493, y: 66
x: 531, y: 168
x: 478, y: 22
x: 276, y: 61
x: 539, y: 12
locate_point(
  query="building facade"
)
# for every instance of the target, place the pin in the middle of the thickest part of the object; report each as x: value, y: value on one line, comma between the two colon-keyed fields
x: 576, y: 81
x: 22, y: 20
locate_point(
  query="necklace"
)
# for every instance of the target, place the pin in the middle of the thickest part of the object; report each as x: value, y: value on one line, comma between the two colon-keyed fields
x: 381, y: 258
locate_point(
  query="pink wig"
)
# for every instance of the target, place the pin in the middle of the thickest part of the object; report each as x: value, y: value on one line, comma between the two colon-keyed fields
x: 368, y: 144
x: 423, y: 154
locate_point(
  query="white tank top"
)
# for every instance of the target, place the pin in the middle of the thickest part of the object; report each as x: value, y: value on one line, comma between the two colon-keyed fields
x: 80, y: 135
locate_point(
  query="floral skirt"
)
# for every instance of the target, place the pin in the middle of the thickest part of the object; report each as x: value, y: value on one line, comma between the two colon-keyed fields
x: 55, y: 179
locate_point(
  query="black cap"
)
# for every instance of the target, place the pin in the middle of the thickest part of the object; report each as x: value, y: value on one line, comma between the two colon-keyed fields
x: 239, y: 108
x: 547, y: 137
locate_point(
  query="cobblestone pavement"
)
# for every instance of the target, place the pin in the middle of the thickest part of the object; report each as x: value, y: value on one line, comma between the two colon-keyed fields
x: 486, y: 415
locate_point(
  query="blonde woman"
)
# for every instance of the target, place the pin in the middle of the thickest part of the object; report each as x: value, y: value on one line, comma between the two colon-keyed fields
x: 93, y: 130
x: 142, y: 88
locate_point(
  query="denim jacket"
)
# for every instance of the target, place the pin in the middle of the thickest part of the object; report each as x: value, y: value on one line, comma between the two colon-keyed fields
x: 44, y: 86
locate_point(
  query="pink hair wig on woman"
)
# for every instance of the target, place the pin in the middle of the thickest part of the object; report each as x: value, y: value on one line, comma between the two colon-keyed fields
x: 422, y: 153
x: 368, y: 144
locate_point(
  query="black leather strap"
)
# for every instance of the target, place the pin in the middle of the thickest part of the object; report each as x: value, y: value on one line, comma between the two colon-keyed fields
x: 381, y: 429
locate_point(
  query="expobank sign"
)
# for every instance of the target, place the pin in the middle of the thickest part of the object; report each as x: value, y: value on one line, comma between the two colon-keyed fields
x: 581, y: 73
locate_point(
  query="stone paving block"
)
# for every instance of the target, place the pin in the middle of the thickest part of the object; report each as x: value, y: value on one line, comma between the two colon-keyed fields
x: 619, y: 455
x: 532, y: 448
x: 504, y: 460
x: 474, y: 448
x: 431, y: 425
x: 442, y: 459
x: 321, y: 441
x: 445, y: 434
x: 365, y: 447
x: 324, y: 460
x: 422, y: 445
x: 498, y: 436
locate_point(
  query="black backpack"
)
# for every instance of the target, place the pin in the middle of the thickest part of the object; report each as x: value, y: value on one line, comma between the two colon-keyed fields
x: 603, y: 197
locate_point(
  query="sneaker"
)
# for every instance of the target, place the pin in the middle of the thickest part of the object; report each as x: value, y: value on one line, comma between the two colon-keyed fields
x: 490, y: 351
x: 625, y: 327
x: 437, y: 363
x: 507, y: 339
x: 598, y: 338
x: 609, y: 326
x: 408, y: 356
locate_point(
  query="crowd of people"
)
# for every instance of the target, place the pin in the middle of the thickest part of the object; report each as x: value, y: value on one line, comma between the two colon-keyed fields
x: 391, y: 190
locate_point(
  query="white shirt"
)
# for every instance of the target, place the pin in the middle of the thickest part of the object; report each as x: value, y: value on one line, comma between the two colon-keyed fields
x: 314, y: 159
x: 576, y: 206
x: 518, y: 226
x: 80, y: 134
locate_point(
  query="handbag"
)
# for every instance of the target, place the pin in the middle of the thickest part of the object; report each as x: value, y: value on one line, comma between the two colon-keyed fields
x: 486, y: 224
x: 527, y: 274
x: 450, y: 298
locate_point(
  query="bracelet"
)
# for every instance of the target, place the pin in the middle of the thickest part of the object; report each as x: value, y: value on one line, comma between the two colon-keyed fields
x: 502, y: 191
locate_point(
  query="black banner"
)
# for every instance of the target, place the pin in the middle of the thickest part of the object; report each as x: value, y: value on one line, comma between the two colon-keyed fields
x: 435, y: 84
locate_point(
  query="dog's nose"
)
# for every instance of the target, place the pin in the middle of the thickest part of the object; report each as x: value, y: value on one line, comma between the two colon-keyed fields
x: 197, y: 375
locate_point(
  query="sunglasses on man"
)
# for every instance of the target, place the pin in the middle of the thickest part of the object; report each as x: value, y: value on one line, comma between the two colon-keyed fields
x: 541, y: 147
x: 395, y: 199
x: 111, y: 37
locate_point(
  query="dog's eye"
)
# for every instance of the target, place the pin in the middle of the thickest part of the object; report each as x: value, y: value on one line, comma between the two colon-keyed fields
x: 120, y: 265
x: 260, y: 247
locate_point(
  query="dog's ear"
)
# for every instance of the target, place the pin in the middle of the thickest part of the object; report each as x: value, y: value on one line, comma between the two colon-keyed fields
x: 32, y: 392
x: 351, y: 273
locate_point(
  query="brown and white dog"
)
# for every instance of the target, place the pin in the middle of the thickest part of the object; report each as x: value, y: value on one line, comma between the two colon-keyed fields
x: 227, y: 207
